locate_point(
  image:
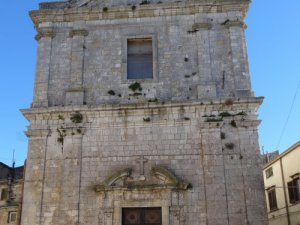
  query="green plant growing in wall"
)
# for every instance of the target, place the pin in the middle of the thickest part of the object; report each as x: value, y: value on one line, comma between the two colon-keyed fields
x: 241, y: 114
x: 144, y: 2
x: 60, y: 117
x: 135, y: 86
x: 213, y: 119
x: 153, y: 100
x: 225, y: 114
x: 228, y: 102
x: 61, y: 135
x: 111, y: 92
x: 229, y: 146
x: 223, y: 135
x: 76, y: 117
x: 147, y: 119
x: 233, y: 123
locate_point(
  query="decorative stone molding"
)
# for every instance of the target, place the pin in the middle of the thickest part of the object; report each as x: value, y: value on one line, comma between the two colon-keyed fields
x: 42, y: 34
x: 165, y: 175
x: 160, y: 173
x: 119, y: 12
x: 80, y: 32
x: 201, y: 26
x: 117, y: 175
x: 237, y: 23
x: 38, y: 133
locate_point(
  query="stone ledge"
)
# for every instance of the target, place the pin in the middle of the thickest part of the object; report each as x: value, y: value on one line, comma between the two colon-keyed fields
x: 208, y: 103
x: 125, y: 12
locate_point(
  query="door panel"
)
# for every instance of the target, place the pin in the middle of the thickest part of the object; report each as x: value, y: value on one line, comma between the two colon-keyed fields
x: 141, y: 216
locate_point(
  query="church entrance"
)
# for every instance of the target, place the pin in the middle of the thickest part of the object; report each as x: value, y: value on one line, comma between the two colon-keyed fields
x: 141, y: 216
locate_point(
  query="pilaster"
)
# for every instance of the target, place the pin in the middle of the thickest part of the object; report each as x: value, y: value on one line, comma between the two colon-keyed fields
x: 75, y: 93
x: 44, y: 38
x: 239, y: 58
x: 207, y: 88
x: 34, y: 177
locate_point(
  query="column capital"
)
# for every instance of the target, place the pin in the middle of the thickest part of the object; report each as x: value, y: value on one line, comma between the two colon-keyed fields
x: 201, y: 26
x: 79, y: 32
x: 236, y: 23
x: 42, y: 34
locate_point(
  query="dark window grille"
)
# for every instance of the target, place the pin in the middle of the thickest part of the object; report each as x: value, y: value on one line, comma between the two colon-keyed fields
x: 139, y: 58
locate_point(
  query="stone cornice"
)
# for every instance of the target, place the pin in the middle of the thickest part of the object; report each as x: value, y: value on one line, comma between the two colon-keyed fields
x: 80, y: 32
x: 126, y: 12
x: 38, y: 133
x: 211, y: 104
x: 42, y: 34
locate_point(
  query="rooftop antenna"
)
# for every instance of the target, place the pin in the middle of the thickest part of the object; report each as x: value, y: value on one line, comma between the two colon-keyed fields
x: 13, y: 166
x: 13, y: 159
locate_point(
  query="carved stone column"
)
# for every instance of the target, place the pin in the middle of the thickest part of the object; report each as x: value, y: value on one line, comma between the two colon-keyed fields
x: 239, y: 58
x: 75, y: 93
x: 40, y: 97
x: 207, y: 88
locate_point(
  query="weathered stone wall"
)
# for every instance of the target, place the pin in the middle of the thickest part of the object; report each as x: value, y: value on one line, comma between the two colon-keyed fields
x: 92, y: 153
x: 14, y: 205
x: 196, y: 56
x: 211, y: 146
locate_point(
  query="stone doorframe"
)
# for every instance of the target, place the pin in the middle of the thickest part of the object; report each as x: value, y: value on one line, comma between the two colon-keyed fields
x: 118, y: 205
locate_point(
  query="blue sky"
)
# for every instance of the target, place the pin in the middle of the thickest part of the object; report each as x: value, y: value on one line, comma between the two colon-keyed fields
x: 273, y: 40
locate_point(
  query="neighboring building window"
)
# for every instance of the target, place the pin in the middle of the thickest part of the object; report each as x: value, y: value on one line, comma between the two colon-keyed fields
x: 12, y: 217
x: 4, y: 194
x: 272, y: 198
x: 294, y: 190
x: 269, y: 172
x: 139, y: 58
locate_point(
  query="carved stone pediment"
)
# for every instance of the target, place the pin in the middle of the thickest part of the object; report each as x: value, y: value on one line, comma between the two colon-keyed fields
x: 161, y: 178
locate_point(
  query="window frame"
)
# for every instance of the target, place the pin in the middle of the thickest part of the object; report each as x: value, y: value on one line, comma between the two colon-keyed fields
x: 9, y: 217
x: 125, y: 58
x: 269, y: 172
x: 272, y: 199
x: 294, y: 189
x: 2, y: 196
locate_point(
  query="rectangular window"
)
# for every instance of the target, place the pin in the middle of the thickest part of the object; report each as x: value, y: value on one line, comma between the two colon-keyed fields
x: 141, y: 216
x: 269, y: 172
x: 12, y: 217
x: 4, y: 194
x: 139, y: 58
x: 294, y: 190
x: 272, y: 199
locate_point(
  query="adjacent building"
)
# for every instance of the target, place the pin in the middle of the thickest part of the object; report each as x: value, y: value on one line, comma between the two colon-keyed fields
x: 143, y: 113
x: 282, y: 187
x: 11, y: 193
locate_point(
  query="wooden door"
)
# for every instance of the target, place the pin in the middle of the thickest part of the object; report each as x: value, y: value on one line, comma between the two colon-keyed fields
x: 141, y: 216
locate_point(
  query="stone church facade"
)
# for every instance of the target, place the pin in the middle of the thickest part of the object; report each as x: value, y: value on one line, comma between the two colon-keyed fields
x: 142, y: 113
